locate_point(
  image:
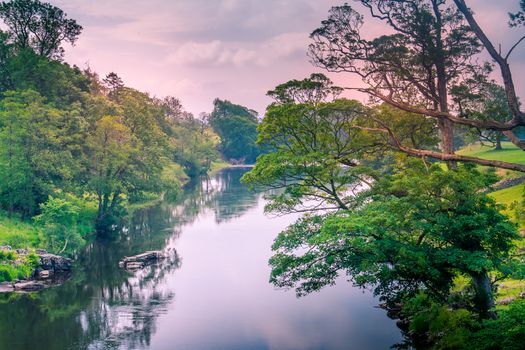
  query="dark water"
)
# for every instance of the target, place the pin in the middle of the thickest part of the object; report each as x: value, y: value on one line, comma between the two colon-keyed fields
x: 212, y: 294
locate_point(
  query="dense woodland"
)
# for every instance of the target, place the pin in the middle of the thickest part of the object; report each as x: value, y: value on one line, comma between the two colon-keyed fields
x: 390, y: 194
x: 77, y: 149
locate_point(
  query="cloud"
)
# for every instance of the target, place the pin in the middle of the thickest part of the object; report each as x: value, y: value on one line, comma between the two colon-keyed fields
x: 220, y: 53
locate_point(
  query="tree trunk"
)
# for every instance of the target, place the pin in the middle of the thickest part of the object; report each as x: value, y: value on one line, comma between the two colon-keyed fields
x: 498, y: 142
x: 484, y: 300
x: 446, y: 130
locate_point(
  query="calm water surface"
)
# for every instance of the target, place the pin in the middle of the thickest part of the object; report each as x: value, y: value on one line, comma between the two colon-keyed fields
x: 213, y: 292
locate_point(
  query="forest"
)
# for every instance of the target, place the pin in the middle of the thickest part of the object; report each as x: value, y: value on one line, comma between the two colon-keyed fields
x: 77, y: 150
x: 414, y: 192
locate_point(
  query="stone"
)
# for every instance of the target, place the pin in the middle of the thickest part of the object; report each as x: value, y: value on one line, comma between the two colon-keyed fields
x: 6, y: 247
x: 505, y: 301
x: 140, y: 260
x: 55, y: 263
x: 28, y: 286
x: 44, y: 274
x: 22, y: 251
x: 521, y: 295
x: 134, y: 265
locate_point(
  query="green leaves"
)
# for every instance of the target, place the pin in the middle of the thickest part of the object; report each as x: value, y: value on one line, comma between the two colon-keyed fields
x: 416, y: 231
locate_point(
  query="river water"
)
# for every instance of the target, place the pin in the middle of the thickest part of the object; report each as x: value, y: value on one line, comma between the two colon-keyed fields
x: 213, y: 292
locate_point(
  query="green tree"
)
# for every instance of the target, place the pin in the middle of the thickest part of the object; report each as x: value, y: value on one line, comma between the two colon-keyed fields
x: 431, y: 52
x: 39, y: 26
x: 112, y: 149
x: 237, y: 127
x: 414, y: 231
x: 36, y: 152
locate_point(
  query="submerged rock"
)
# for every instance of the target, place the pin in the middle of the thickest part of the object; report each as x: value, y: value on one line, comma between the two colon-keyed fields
x: 139, y: 261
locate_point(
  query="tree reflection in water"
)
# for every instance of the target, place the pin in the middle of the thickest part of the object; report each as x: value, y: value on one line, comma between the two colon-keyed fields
x: 104, y: 307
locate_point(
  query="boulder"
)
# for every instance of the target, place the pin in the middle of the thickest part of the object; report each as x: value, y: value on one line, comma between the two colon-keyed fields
x: 54, y: 263
x: 139, y: 261
x: 28, y: 286
x: 44, y: 274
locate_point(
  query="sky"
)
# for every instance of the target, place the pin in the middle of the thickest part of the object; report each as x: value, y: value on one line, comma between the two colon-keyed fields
x: 199, y: 50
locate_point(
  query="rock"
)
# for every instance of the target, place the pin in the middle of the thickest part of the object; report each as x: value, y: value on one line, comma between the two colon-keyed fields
x: 6, y: 287
x: 41, y: 251
x: 22, y: 251
x: 505, y: 301
x: 44, y: 274
x: 6, y: 247
x: 521, y: 295
x: 134, y: 265
x: 28, y: 286
x: 55, y: 263
x: 139, y: 261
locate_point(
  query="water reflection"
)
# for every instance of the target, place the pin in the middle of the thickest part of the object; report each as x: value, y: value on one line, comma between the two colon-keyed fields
x: 212, y: 293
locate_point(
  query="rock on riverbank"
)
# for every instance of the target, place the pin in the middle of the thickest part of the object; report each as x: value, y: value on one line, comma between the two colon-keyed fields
x: 51, y: 270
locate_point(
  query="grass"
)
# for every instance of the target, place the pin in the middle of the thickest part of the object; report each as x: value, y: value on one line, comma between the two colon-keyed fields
x: 17, y: 233
x: 509, y: 153
x: 509, y: 288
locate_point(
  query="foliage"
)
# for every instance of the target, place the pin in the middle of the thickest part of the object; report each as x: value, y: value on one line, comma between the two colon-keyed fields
x: 505, y: 332
x: 39, y: 26
x: 65, y: 222
x: 436, y: 326
x: 36, y: 152
x: 416, y: 231
x: 236, y: 125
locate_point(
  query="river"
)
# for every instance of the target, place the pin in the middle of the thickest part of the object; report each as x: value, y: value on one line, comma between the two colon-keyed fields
x: 213, y: 292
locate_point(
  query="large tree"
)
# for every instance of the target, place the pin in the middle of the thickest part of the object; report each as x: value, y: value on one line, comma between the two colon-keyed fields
x: 39, y: 26
x: 237, y: 127
x: 431, y: 53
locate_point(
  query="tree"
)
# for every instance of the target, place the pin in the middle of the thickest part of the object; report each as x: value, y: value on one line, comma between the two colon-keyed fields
x: 417, y: 68
x: 39, y: 26
x: 237, y: 127
x: 415, y: 232
x: 112, y: 148
x: 37, y: 146
x: 323, y: 150
x: 489, y: 102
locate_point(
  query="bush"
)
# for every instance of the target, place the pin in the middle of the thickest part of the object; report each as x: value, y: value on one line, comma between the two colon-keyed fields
x: 436, y: 326
x: 506, y: 332
x: 65, y: 222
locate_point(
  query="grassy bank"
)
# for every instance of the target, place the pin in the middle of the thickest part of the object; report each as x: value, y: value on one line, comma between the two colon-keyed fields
x: 17, y: 233
x: 509, y: 197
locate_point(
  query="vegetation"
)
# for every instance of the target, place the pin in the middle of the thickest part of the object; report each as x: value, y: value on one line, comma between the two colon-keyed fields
x: 77, y: 150
x: 237, y: 127
x: 410, y: 229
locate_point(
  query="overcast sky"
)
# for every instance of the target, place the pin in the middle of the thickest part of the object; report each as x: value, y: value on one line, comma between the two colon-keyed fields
x: 198, y: 50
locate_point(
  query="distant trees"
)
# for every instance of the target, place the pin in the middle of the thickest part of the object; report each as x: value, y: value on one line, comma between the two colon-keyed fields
x: 237, y: 127
x: 39, y: 26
